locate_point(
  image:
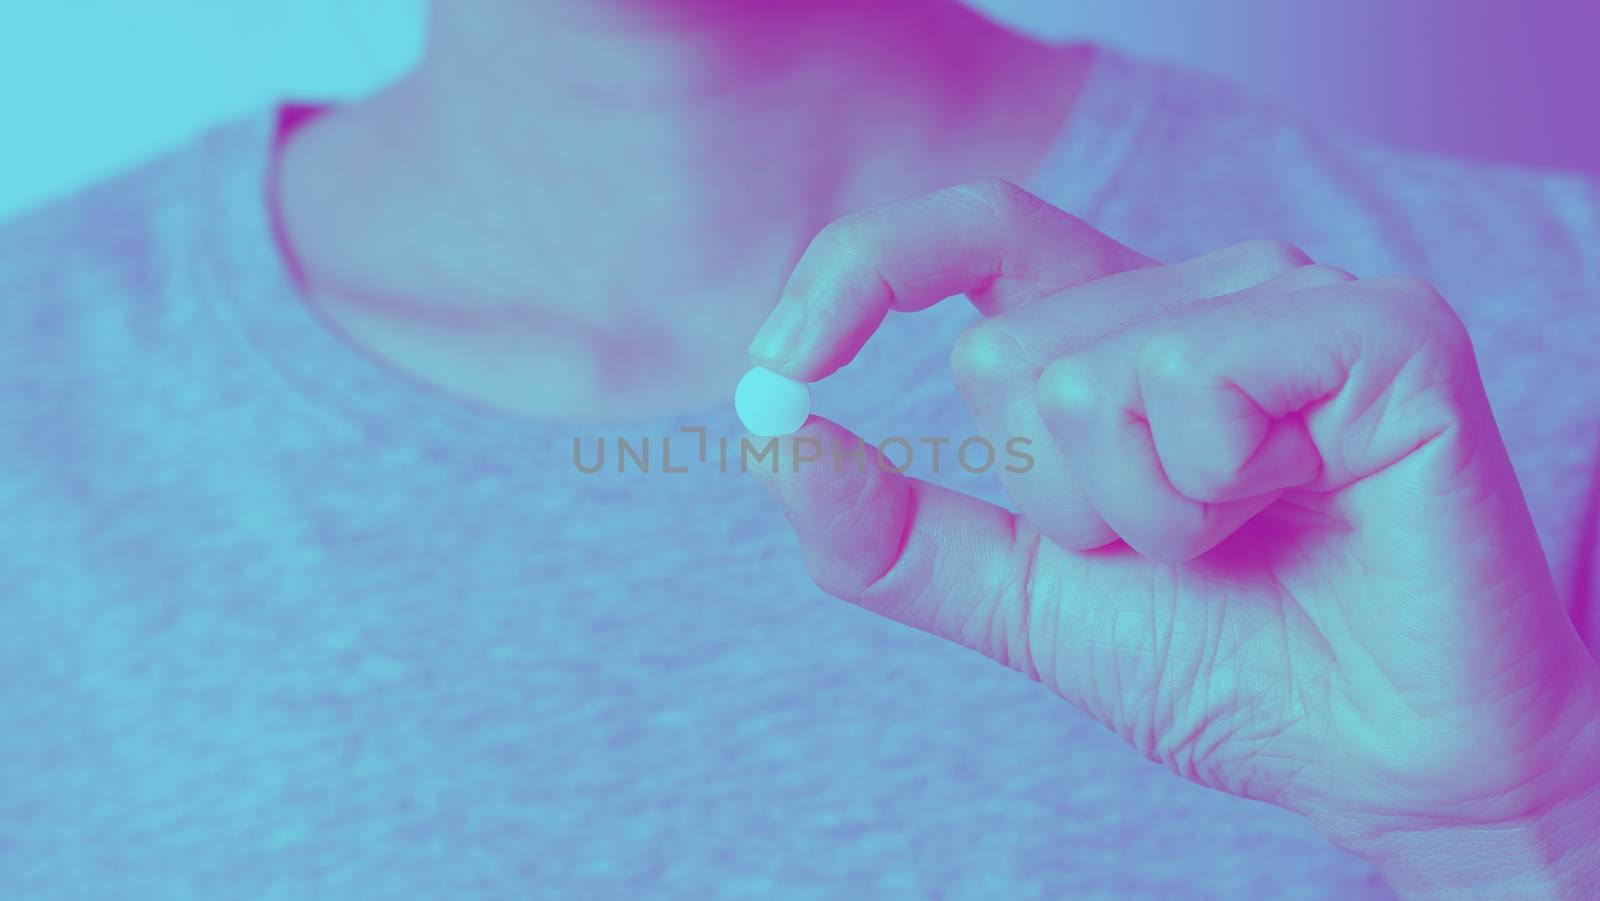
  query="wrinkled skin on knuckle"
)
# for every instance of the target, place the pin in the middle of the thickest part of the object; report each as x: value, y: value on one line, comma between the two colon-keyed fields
x: 1067, y: 393
x: 1413, y: 303
x: 1204, y: 477
x: 1026, y: 218
x: 1437, y: 320
x: 1441, y: 374
x: 1173, y: 361
x: 1005, y: 198
x: 1321, y: 273
x: 990, y: 363
x: 1175, y: 539
x: 1272, y: 255
x: 1173, y: 357
x: 853, y: 240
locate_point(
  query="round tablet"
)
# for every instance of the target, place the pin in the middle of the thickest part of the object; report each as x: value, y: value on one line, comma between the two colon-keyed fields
x: 770, y: 404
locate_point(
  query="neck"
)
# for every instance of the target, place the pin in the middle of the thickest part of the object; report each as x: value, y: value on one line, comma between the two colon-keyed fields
x: 602, y: 199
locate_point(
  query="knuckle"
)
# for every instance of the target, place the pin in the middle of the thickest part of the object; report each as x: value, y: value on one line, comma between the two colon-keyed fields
x: 1207, y: 475
x: 1203, y: 478
x: 998, y: 194
x: 987, y: 358
x: 1186, y: 538
x: 1408, y: 289
x: 1208, y: 470
x: 1424, y: 310
x: 1177, y: 539
x: 1320, y: 274
x: 1172, y: 357
x: 852, y: 238
x: 1274, y: 255
x: 1067, y: 391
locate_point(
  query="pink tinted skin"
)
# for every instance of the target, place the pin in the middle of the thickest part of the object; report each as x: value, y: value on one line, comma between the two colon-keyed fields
x: 629, y: 181
x: 1274, y: 539
x: 1354, y: 622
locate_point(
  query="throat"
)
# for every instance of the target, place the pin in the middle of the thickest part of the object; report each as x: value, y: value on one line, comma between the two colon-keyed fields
x: 601, y: 255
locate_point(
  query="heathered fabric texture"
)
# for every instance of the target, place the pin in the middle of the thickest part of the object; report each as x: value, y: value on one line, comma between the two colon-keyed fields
x: 280, y: 623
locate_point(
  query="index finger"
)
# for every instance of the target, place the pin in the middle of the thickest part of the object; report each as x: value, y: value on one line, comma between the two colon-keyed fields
x: 989, y: 240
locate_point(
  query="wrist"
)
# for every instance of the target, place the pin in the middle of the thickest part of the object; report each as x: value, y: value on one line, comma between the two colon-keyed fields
x: 1553, y: 854
x: 1537, y: 837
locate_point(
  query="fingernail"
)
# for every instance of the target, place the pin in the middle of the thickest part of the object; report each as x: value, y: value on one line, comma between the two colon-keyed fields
x: 778, y: 339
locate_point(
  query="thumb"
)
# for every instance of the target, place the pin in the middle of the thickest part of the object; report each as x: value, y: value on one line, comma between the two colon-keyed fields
x: 917, y: 553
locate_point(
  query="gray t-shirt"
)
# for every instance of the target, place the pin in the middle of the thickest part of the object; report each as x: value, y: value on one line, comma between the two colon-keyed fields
x: 278, y: 622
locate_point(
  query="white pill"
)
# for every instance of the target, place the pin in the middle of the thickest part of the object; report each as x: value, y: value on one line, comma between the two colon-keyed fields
x: 770, y: 404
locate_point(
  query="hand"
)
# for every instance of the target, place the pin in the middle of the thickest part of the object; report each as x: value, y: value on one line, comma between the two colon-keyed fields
x: 1272, y: 537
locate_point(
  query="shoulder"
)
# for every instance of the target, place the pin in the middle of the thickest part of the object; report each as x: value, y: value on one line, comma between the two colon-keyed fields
x: 123, y: 254
x: 107, y: 297
x: 130, y: 231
